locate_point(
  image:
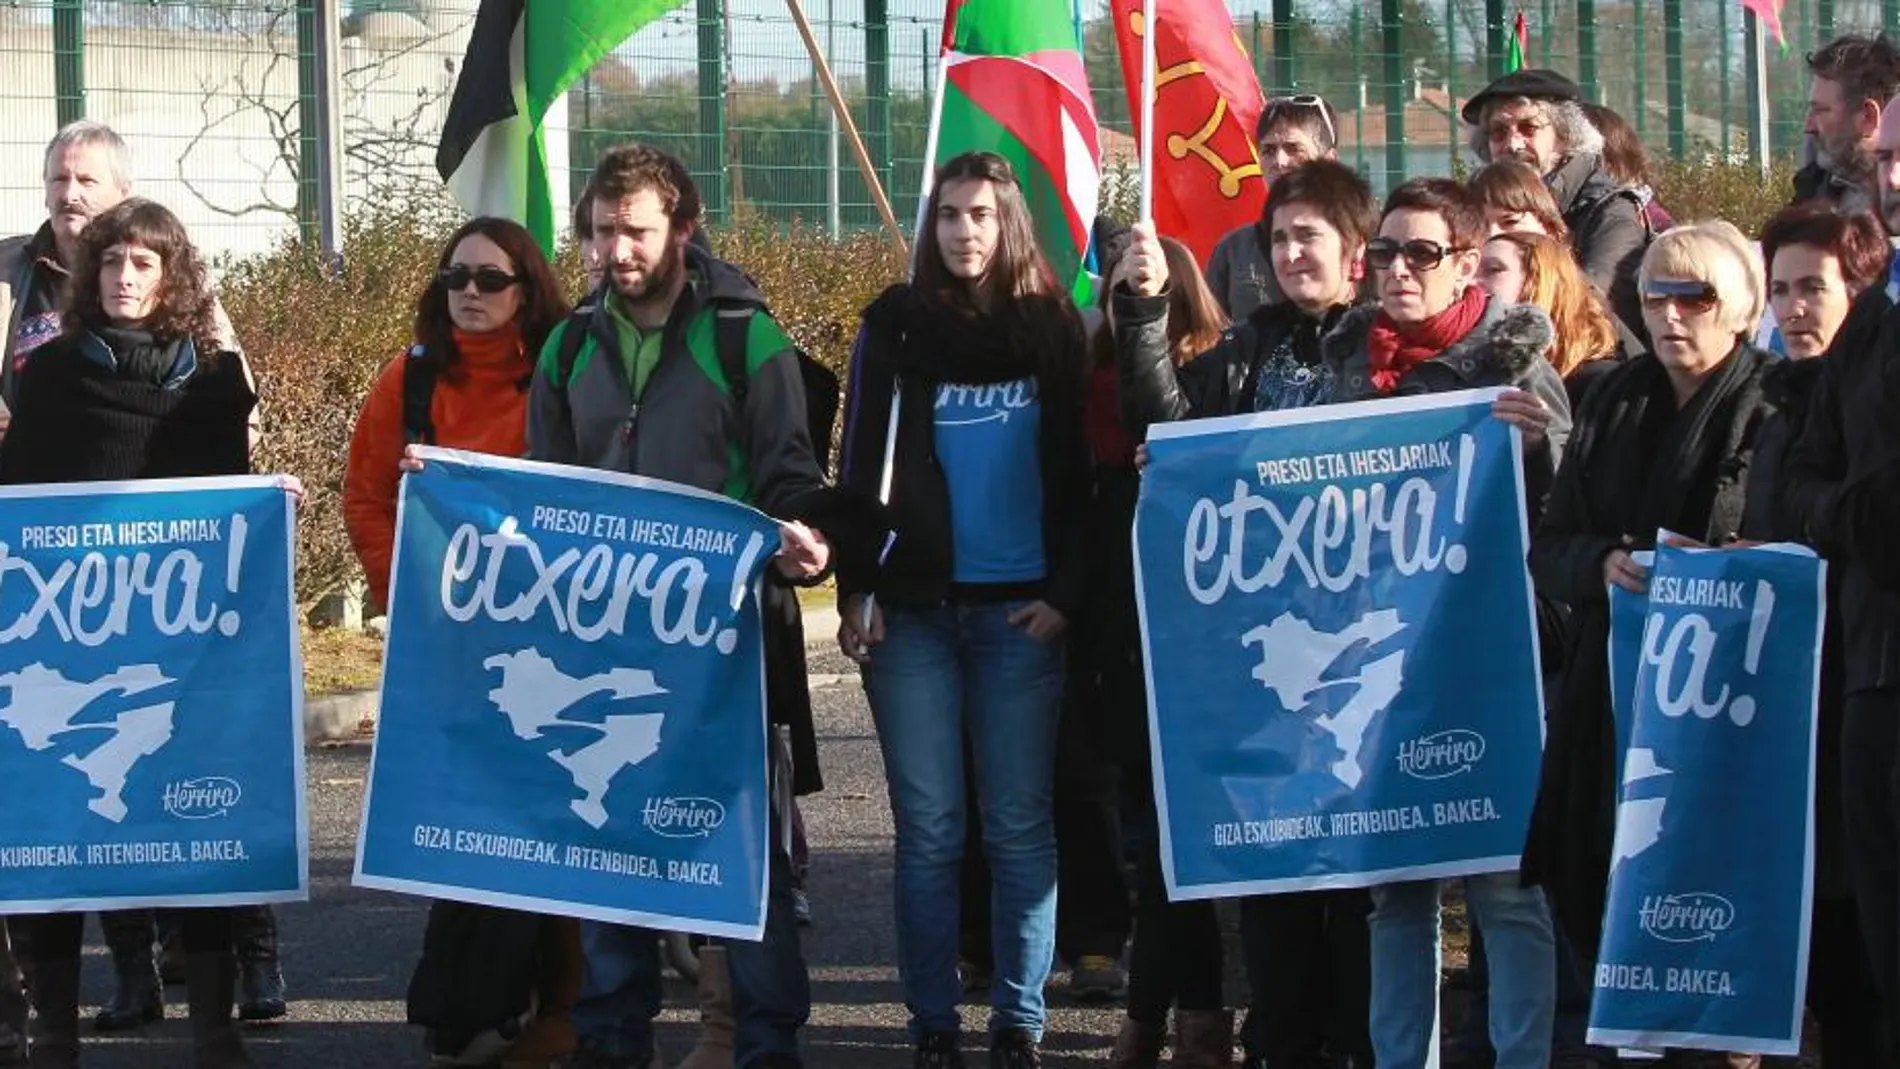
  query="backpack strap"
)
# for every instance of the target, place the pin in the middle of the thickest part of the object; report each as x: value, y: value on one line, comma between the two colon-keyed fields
x: 573, y: 336
x: 418, y: 395
x: 731, y: 336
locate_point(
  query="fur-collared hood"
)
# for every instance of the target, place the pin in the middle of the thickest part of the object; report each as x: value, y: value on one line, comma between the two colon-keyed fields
x: 1505, y: 348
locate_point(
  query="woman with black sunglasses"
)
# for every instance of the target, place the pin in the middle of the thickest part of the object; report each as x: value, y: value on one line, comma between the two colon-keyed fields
x: 480, y: 322
x: 1435, y: 330
x: 1664, y: 441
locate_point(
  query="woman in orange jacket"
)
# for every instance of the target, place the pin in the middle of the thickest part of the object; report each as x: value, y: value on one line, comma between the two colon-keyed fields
x: 480, y: 324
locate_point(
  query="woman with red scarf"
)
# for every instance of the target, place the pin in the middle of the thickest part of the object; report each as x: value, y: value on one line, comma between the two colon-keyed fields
x: 1433, y: 329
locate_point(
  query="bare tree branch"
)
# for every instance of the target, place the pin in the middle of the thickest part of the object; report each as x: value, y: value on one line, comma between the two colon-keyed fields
x: 391, y: 157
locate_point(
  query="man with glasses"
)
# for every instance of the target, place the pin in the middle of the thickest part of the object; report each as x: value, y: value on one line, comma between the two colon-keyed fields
x: 1537, y: 118
x: 1292, y: 130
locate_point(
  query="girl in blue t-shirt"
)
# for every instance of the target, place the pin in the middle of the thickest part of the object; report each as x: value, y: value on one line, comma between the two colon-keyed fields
x: 966, y: 416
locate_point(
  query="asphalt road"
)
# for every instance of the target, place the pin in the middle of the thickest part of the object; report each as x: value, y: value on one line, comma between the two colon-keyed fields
x: 348, y: 952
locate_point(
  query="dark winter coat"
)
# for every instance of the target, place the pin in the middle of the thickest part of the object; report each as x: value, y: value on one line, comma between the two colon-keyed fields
x: 1789, y: 385
x: 1841, y: 485
x: 1609, y: 232
x: 1635, y: 464
x: 1815, y: 182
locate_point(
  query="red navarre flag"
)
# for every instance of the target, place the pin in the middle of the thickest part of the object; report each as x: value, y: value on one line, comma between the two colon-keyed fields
x: 1207, y: 178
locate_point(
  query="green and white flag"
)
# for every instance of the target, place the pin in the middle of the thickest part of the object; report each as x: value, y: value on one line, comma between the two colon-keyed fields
x: 521, y: 58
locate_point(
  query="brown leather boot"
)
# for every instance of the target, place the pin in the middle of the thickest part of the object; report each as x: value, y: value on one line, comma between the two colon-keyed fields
x: 714, y: 1049
x: 210, y: 992
x: 549, y: 1037
x: 1137, y: 1046
x: 1204, y: 1039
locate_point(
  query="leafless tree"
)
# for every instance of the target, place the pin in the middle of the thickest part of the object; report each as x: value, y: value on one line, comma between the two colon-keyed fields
x: 392, y: 153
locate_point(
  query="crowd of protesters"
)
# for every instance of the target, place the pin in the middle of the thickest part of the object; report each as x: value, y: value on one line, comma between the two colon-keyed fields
x: 1663, y: 371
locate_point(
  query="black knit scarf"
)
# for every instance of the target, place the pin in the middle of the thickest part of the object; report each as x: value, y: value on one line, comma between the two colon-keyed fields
x: 944, y: 343
x: 76, y: 421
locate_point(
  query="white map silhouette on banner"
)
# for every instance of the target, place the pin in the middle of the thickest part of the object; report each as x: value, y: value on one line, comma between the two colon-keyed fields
x: 1638, y: 820
x: 534, y: 692
x: 1293, y: 664
x: 42, y: 705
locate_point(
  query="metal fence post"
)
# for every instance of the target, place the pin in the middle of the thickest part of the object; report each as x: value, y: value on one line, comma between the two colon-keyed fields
x: 1757, y: 44
x: 1451, y: 81
x: 1356, y: 25
x: 1672, y: 78
x: 1284, y: 75
x: 319, y: 126
x: 1587, y: 50
x: 69, y: 60
x: 1392, y: 41
x: 1546, y: 27
x: 1494, y: 39
x: 877, y: 86
x: 711, y: 172
x: 1721, y: 17
x: 1824, y: 16
x: 1640, y: 87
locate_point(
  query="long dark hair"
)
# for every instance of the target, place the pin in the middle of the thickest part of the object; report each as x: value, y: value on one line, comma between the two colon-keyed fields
x: 542, y: 304
x: 1195, y: 318
x: 1017, y: 269
x: 1040, y: 318
x: 184, y: 307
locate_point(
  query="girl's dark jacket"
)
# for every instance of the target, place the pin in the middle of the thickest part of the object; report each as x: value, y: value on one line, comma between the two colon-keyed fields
x: 905, y: 347
x: 1688, y: 473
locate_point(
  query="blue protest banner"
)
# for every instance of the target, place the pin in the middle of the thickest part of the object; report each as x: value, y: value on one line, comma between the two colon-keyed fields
x: 1626, y: 655
x: 151, y: 696
x: 1343, y: 682
x: 573, y: 715
x: 1705, y: 937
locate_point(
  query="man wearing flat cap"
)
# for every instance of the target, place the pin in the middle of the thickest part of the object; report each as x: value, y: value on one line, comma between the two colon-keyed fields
x: 1535, y: 117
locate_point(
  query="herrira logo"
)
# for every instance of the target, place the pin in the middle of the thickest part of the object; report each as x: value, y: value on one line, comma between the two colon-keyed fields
x: 1693, y: 917
x: 202, y: 798
x: 682, y: 818
x: 1442, y: 754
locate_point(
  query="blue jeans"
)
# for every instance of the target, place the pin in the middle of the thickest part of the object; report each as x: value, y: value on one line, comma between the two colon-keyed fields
x: 771, y: 989
x: 1405, y: 963
x: 939, y: 672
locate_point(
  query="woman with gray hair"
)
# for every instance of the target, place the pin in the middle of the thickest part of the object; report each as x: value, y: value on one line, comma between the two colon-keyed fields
x: 1664, y: 441
x: 1537, y: 118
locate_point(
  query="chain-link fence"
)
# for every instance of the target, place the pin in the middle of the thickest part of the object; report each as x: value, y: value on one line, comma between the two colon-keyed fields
x: 217, y: 96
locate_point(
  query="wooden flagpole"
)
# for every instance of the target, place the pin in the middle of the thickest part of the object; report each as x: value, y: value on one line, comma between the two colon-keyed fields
x: 849, y: 127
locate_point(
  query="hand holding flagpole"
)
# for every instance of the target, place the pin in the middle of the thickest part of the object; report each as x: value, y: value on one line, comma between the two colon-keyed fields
x: 1146, y: 211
